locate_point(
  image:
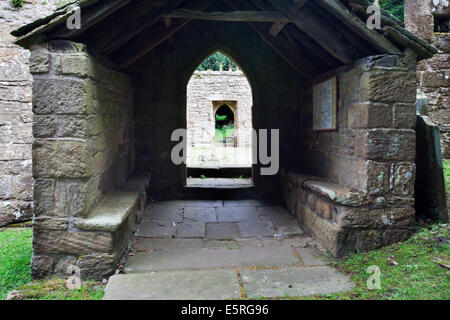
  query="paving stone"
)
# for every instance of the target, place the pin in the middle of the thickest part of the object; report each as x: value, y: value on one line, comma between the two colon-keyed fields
x: 228, y: 244
x: 211, y: 258
x: 191, y: 230
x: 200, y: 214
x: 237, y: 214
x: 311, y: 257
x: 269, y: 213
x: 270, y: 283
x: 156, y: 229
x: 287, y: 226
x: 204, y: 203
x: 142, y: 244
x: 242, y: 203
x: 297, y: 241
x: 251, y: 229
x: 174, y: 285
x: 222, y: 231
x: 158, y: 213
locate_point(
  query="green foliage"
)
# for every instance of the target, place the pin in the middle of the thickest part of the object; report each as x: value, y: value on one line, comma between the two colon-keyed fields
x: 18, y: 3
x: 221, y: 118
x: 395, y: 7
x: 214, y: 61
x: 15, y: 259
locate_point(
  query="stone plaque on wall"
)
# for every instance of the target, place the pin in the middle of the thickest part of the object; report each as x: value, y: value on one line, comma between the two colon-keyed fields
x: 325, y: 105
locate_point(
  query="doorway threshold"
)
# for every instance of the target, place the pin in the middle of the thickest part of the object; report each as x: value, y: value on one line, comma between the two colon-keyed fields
x: 219, y: 183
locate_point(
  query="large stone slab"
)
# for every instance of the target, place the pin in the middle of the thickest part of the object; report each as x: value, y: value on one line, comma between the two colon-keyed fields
x: 200, y: 214
x: 270, y: 283
x: 237, y: 214
x: 157, y: 229
x: 147, y: 244
x: 188, y: 229
x: 204, y: 203
x: 164, y: 213
x: 174, y: 285
x: 242, y: 203
x: 271, y: 256
x: 256, y: 229
x: 222, y: 231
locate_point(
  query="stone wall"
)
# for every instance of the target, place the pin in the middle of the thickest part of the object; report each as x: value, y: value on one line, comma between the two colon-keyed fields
x: 433, y: 75
x: 354, y: 187
x: 83, y: 147
x: 208, y: 90
x: 16, y: 183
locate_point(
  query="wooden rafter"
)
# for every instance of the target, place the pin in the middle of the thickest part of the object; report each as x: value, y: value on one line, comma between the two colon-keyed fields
x: 278, y: 26
x: 320, y: 31
x: 141, y: 16
x: 239, y: 16
x: 282, y: 47
x: 150, y: 39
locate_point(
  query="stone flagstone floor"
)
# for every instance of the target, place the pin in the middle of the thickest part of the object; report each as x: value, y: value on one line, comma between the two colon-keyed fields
x: 214, y: 249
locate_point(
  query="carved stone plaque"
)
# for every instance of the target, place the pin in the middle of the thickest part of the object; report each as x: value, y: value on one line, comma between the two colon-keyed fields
x: 325, y: 105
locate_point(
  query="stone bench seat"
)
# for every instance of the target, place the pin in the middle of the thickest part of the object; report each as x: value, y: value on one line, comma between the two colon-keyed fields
x: 336, y: 193
x: 111, y: 213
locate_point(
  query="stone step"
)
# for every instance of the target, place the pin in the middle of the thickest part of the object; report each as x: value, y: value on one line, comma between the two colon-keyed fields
x: 220, y: 284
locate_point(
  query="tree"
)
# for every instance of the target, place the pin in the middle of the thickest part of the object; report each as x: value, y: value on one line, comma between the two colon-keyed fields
x: 395, y: 7
x: 214, y: 61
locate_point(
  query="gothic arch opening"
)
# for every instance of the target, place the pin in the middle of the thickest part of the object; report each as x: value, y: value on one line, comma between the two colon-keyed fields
x: 219, y: 124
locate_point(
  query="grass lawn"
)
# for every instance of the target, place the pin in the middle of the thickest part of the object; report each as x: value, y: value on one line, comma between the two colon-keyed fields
x: 15, y: 259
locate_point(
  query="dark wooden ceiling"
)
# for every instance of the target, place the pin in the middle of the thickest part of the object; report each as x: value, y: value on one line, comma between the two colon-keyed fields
x: 313, y: 36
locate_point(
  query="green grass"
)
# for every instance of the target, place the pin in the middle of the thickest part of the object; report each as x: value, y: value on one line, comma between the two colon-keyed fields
x: 447, y: 174
x: 15, y: 258
x: 223, y: 133
x: 15, y: 274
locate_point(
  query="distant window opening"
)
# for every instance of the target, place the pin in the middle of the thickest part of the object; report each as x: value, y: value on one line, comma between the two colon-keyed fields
x: 441, y: 24
x: 224, y: 125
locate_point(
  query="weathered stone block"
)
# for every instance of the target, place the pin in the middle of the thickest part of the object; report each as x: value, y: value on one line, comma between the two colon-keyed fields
x: 404, y: 116
x: 41, y: 266
x: 71, y: 126
x: 404, y: 178
x: 51, y: 241
x: 43, y: 197
x: 436, y: 79
x: 389, y: 145
x: 14, y: 71
x: 374, y: 218
x: 377, y: 178
x: 62, y: 96
x: 369, y: 115
x: 39, y: 61
x: 77, y: 64
x: 13, y: 211
x: 23, y: 186
x: 388, y: 86
x: 60, y: 159
x: 50, y: 223
x: 44, y: 126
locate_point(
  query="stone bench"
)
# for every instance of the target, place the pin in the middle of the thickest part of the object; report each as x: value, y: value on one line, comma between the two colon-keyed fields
x: 111, y: 213
x: 342, y: 218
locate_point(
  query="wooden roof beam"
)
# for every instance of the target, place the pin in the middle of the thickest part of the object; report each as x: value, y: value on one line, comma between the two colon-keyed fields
x: 237, y: 16
x: 150, y: 39
x: 320, y: 31
x: 282, y: 47
x: 278, y: 26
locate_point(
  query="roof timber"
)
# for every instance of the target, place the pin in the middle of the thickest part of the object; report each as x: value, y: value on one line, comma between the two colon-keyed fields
x: 151, y: 38
x: 237, y: 16
x: 324, y: 31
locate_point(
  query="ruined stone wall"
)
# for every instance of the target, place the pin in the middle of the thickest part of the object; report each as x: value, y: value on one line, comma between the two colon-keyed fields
x: 83, y: 147
x: 360, y: 194
x: 16, y: 192
x: 433, y: 75
x: 206, y: 91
